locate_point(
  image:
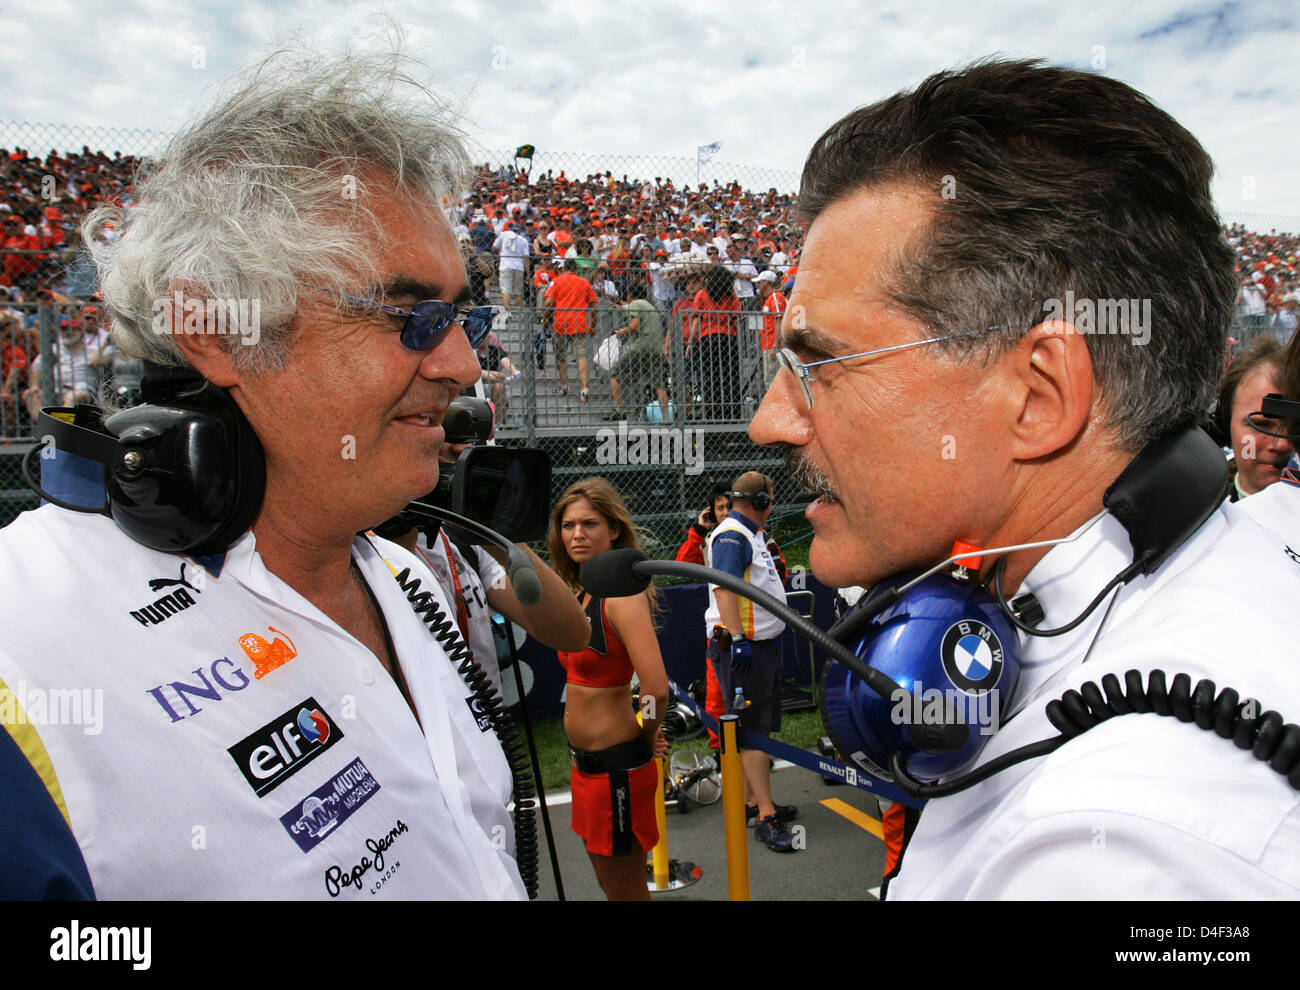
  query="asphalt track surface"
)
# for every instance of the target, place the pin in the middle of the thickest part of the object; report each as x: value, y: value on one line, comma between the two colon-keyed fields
x: 841, y: 860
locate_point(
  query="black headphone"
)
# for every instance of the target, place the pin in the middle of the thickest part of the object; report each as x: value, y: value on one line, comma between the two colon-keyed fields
x: 760, y: 500
x: 183, y: 473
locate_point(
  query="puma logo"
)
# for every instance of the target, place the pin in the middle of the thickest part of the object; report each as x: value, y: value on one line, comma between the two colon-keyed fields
x: 156, y: 584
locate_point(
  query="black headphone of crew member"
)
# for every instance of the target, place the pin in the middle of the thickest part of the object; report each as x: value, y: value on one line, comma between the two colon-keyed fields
x: 761, y: 499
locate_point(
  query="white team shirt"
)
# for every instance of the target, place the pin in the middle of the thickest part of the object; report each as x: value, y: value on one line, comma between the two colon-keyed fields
x: 1141, y: 806
x: 758, y: 623
x: 249, y: 747
x: 1277, y: 508
x: 473, y: 592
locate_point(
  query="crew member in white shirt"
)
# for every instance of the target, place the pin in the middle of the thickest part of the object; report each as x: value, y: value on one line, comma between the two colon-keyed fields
x: 277, y: 719
x: 1000, y: 423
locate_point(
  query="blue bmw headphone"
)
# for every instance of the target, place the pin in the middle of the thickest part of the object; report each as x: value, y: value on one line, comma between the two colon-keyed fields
x: 951, y: 644
x: 944, y: 630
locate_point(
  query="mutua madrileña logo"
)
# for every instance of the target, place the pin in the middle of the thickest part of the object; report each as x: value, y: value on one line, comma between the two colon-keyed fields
x: 275, y: 752
x: 313, y: 819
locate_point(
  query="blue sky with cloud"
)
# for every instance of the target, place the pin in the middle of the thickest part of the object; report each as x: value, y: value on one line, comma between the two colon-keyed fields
x: 664, y: 76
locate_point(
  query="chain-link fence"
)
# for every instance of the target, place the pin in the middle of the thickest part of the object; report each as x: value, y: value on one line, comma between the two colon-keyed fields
x: 664, y: 419
x: 663, y: 430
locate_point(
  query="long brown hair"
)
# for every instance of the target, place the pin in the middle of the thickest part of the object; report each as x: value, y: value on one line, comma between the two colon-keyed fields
x: 605, y: 499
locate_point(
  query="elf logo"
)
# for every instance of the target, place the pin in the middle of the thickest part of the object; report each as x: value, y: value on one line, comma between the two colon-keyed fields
x: 286, y: 744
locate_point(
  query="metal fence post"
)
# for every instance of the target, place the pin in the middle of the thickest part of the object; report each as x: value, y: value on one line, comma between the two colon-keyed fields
x: 45, y: 324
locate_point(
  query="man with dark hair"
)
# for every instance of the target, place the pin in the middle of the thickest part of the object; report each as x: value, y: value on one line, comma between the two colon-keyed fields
x: 692, y: 549
x: 1013, y: 282
x: 1278, y: 507
x: 1258, y: 457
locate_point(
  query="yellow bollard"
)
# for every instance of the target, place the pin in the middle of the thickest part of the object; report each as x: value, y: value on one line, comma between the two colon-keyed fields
x: 659, y: 855
x: 733, y: 809
x: 660, y: 852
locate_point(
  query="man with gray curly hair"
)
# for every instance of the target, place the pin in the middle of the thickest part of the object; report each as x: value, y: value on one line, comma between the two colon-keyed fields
x: 271, y: 718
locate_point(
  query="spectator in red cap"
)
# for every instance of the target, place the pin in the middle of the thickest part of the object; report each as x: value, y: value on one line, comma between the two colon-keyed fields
x: 773, y: 305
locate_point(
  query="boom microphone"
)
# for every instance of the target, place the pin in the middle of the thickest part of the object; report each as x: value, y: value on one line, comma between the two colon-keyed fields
x: 614, y: 574
x: 523, y: 577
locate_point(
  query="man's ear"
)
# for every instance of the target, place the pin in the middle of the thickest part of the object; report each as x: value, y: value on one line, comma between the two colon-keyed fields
x: 1052, y: 396
x: 206, y: 352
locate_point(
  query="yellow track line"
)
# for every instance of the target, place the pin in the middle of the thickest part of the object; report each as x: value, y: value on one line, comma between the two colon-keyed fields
x: 858, y: 818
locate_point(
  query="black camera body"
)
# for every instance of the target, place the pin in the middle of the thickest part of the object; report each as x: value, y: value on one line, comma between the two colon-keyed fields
x: 507, y: 489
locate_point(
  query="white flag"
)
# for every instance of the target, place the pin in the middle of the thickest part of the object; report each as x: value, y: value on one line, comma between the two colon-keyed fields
x: 707, y: 151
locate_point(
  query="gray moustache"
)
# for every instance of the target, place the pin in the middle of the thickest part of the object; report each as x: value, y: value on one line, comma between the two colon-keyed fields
x: 812, y: 479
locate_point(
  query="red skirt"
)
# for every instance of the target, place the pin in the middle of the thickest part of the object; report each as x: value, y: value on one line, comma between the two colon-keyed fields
x: 614, y: 812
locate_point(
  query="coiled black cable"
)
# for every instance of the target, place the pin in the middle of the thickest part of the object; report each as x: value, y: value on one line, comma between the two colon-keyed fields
x: 1269, y: 739
x: 491, y: 705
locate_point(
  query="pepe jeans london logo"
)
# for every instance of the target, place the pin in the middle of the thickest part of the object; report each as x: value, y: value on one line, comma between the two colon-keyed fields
x: 337, y: 878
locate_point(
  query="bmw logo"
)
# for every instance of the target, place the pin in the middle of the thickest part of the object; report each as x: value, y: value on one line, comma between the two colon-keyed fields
x: 972, y: 656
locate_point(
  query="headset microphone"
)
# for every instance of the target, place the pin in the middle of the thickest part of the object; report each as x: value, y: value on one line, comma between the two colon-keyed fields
x: 183, y: 474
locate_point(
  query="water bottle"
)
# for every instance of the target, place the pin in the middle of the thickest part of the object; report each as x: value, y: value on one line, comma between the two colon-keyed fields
x: 738, y: 702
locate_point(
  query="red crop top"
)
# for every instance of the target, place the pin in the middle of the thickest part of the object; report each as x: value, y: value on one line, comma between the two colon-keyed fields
x: 604, y: 663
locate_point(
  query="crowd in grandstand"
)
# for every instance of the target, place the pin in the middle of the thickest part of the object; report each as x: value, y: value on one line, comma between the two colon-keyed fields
x: 688, y: 263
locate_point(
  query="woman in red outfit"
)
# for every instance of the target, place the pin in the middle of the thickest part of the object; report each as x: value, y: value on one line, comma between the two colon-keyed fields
x: 614, y: 777
x: 713, y: 338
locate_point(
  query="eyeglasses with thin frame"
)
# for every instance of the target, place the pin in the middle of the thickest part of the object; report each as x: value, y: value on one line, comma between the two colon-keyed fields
x: 428, y: 321
x: 787, y: 359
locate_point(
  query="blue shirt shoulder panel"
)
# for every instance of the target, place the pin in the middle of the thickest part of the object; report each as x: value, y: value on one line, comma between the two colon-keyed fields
x: 39, y: 857
x: 732, y: 553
